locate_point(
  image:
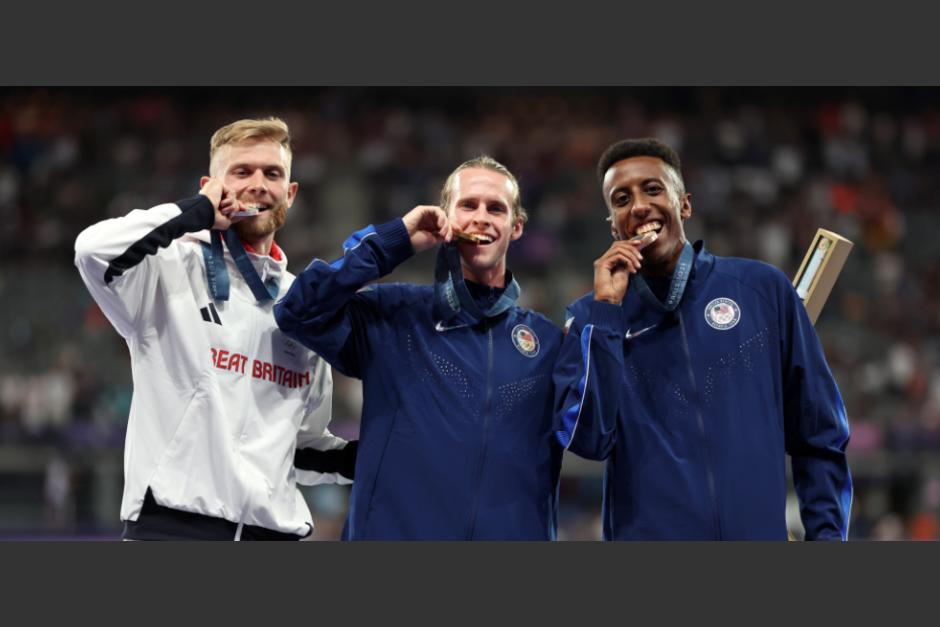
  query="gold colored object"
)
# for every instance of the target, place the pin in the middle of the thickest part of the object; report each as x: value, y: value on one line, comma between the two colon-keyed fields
x: 645, y: 238
x: 820, y: 269
x: 472, y: 237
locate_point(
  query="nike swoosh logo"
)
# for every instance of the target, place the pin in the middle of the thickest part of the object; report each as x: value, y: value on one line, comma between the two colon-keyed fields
x: 441, y: 327
x: 630, y: 335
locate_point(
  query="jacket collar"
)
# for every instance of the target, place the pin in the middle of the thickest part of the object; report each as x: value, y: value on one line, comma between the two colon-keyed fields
x: 638, y: 314
x: 701, y: 269
x: 276, y: 253
x: 452, y: 301
x: 275, y: 263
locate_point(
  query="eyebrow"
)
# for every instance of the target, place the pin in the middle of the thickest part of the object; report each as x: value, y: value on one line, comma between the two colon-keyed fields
x: 651, y: 179
x: 248, y: 164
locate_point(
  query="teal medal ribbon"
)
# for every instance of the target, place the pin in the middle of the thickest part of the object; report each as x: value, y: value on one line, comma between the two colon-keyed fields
x: 217, y: 274
x: 676, y: 288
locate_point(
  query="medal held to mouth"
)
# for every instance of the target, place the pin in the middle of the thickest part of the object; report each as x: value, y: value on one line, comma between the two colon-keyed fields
x: 473, y: 238
x: 645, y: 239
x: 249, y: 211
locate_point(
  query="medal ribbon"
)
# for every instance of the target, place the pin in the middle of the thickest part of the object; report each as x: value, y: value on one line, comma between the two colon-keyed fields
x: 676, y: 288
x: 217, y: 274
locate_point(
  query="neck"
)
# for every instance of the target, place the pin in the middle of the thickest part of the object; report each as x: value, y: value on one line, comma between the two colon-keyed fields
x: 667, y: 266
x: 494, y: 277
x: 662, y: 270
x: 261, y: 246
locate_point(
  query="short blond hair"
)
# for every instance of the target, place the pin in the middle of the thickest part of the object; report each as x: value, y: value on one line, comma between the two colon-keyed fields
x: 252, y: 130
x: 485, y: 162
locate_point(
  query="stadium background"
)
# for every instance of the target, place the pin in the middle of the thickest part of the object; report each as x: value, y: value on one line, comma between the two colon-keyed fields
x: 765, y: 167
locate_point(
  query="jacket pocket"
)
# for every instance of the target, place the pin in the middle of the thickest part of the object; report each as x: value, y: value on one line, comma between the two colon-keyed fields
x: 383, y: 453
x: 185, y: 447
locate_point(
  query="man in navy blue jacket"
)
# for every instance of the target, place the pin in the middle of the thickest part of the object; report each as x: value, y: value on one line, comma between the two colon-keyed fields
x: 456, y: 439
x: 693, y: 376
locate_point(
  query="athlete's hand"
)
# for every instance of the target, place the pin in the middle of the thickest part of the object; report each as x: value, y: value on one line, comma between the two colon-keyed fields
x: 427, y: 226
x: 613, y: 269
x: 223, y: 201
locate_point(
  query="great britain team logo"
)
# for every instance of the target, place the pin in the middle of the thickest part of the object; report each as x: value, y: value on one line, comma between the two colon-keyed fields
x: 722, y: 314
x: 525, y: 340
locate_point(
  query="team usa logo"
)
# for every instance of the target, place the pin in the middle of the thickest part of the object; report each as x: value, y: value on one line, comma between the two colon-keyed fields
x: 525, y: 340
x: 722, y: 314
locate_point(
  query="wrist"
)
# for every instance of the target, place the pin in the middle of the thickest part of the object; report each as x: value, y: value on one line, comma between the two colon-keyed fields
x: 199, y: 211
x: 607, y: 298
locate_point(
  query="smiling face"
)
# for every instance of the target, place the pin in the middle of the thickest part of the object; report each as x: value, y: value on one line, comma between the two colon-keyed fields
x: 481, y: 204
x: 258, y: 173
x: 642, y: 194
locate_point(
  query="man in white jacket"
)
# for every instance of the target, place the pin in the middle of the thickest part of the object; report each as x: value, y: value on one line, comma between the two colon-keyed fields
x: 224, y: 404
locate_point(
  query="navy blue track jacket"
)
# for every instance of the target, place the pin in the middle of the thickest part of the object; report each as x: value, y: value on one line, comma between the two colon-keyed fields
x: 695, y: 409
x: 456, y: 439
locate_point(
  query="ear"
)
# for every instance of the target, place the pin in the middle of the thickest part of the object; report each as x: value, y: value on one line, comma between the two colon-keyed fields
x: 291, y: 194
x: 517, y: 229
x: 613, y: 227
x: 685, y: 209
x: 202, y: 181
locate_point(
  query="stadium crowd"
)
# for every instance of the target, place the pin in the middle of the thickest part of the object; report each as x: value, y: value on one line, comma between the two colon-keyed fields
x: 766, y: 168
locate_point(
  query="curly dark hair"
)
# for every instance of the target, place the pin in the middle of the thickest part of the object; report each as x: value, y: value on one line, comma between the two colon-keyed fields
x: 643, y: 147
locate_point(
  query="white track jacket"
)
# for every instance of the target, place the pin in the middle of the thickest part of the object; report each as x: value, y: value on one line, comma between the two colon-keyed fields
x: 221, y: 397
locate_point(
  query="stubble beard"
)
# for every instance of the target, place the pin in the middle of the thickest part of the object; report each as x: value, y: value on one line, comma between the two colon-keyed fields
x: 263, y: 225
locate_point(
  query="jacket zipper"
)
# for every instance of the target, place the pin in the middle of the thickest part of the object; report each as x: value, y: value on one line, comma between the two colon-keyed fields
x: 709, y: 466
x: 486, y: 421
x: 240, y: 442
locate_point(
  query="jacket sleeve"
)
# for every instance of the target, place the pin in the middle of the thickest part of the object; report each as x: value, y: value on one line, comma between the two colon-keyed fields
x: 587, y: 380
x: 326, y: 308
x: 332, y: 465
x: 815, y: 427
x: 315, y: 443
x: 115, y: 257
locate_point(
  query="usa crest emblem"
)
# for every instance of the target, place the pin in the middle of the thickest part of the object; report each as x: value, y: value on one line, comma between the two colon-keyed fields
x: 525, y: 340
x: 722, y: 314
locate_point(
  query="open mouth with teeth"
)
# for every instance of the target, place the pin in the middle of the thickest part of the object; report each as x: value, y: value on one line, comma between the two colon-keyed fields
x: 251, y: 209
x: 649, y: 227
x: 648, y: 231
x: 473, y: 238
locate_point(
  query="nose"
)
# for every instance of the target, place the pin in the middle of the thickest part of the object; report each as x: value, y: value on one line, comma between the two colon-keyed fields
x: 480, y: 215
x: 641, y: 206
x: 257, y: 183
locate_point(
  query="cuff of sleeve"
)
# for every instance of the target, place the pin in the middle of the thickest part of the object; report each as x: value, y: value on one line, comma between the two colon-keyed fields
x: 198, y: 213
x: 394, y: 239
x: 606, y: 316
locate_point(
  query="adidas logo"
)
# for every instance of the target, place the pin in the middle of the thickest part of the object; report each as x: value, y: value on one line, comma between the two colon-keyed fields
x: 210, y: 311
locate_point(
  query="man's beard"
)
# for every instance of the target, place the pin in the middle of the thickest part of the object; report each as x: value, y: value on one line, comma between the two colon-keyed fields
x: 264, y: 224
